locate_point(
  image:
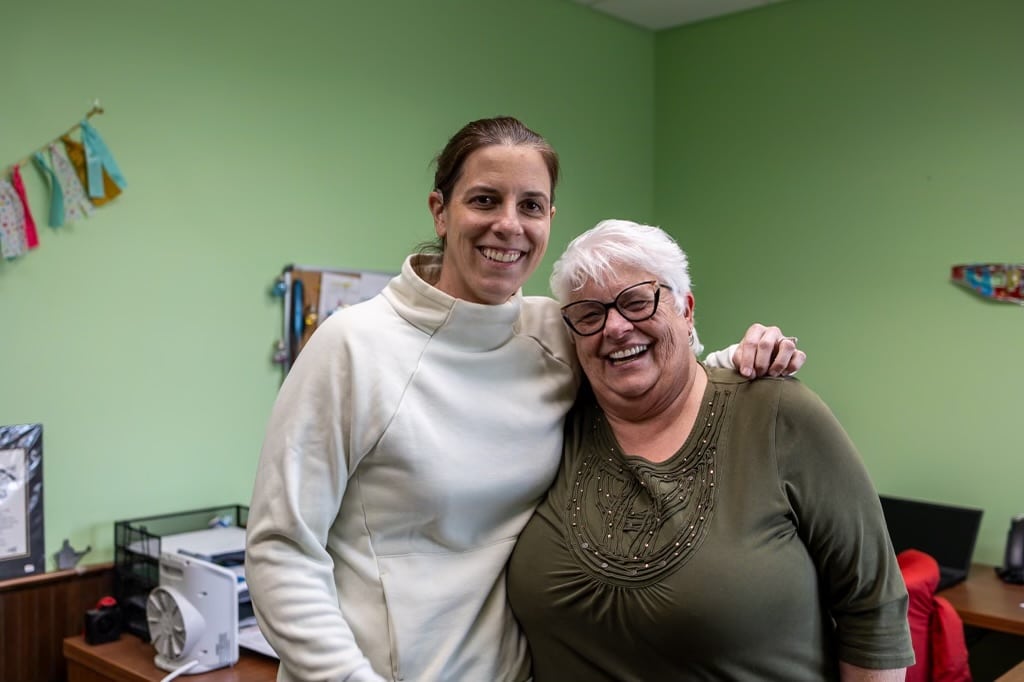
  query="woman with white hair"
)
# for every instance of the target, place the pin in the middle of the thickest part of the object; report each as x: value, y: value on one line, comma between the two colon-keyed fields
x: 701, y: 526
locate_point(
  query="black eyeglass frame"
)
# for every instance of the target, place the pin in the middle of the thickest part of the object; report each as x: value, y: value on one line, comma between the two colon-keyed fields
x: 615, y: 304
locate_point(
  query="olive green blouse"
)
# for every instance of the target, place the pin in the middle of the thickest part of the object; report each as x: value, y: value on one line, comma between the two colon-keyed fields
x: 757, y: 552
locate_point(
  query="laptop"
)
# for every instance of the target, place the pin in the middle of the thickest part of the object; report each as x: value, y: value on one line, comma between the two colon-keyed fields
x: 946, y: 532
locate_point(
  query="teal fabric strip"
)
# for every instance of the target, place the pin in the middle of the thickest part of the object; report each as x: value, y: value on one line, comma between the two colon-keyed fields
x: 98, y: 157
x: 56, y: 194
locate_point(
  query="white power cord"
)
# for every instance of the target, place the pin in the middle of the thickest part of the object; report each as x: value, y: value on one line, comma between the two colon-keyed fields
x: 181, y: 670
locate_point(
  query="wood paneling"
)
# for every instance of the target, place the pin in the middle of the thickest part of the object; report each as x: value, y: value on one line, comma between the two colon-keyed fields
x: 38, y: 612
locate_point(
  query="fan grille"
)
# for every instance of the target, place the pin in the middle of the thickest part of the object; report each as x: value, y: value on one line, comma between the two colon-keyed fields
x: 167, y: 627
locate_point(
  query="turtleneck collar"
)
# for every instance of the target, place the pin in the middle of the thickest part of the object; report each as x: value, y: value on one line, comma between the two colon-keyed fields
x: 470, y: 326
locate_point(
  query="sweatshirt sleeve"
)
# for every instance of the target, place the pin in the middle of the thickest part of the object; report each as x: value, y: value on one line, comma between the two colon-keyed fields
x: 307, y: 456
x: 839, y: 518
x: 722, y: 358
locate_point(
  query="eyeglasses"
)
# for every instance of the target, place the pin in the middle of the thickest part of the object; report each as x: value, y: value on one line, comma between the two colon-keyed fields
x: 636, y: 303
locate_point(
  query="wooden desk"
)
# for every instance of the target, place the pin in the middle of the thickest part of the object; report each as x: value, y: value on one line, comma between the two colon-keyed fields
x: 1014, y: 674
x: 129, y: 659
x: 985, y: 601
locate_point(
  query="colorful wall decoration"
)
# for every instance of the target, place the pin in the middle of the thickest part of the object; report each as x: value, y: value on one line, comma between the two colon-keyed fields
x: 997, y: 281
x: 80, y: 175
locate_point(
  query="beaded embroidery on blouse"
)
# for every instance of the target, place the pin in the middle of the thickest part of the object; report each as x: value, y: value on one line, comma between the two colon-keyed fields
x: 633, y: 521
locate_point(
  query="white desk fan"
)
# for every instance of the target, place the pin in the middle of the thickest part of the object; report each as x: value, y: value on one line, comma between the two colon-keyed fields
x: 193, y: 615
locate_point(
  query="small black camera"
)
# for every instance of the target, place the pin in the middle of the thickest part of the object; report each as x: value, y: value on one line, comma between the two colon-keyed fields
x: 102, y: 624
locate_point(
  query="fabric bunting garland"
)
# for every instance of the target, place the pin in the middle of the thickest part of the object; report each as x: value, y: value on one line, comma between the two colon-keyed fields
x: 79, y: 176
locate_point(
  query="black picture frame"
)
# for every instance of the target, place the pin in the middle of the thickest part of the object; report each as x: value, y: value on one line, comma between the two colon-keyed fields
x: 22, y: 538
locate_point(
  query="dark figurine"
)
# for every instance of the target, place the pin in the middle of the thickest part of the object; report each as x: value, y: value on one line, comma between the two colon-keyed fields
x: 68, y: 556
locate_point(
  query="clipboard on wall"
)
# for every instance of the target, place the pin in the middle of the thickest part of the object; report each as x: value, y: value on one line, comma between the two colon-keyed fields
x: 310, y: 295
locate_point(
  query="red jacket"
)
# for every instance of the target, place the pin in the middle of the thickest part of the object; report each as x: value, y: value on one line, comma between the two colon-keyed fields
x: 936, y: 630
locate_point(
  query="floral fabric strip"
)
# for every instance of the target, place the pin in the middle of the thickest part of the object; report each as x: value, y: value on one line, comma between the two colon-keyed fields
x: 76, y: 204
x: 12, y: 222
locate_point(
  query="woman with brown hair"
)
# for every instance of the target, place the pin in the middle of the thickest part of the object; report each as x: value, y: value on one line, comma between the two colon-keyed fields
x: 415, y: 434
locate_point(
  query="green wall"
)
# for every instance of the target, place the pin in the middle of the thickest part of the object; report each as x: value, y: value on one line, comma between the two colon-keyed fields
x: 825, y: 163
x: 254, y: 135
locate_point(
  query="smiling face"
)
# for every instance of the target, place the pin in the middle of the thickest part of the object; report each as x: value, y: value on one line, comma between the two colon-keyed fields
x: 636, y: 366
x: 495, y: 225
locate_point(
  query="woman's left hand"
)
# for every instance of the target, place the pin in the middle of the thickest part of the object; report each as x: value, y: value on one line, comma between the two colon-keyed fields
x: 766, y: 351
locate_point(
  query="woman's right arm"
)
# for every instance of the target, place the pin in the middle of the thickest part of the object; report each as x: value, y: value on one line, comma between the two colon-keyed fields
x: 300, y: 483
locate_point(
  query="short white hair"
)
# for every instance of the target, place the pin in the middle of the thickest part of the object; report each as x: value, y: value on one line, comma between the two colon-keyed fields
x: 598, y: 253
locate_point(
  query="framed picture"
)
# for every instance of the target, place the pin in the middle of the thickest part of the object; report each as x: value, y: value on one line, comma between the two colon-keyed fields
x: 22, y: 550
